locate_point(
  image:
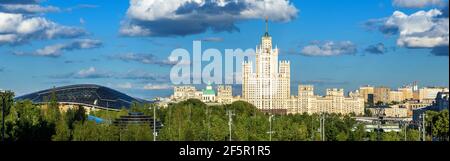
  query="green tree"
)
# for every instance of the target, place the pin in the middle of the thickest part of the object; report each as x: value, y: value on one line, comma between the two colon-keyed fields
x: 63, y: 132
x: 53, y: 113
x: 391, y: 136
x: 359, y: 133
x: 413, y: 135
x: 6, y: 102
x: 136, y: 133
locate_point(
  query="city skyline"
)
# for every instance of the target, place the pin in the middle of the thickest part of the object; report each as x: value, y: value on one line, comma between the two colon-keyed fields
x: 91, y: 44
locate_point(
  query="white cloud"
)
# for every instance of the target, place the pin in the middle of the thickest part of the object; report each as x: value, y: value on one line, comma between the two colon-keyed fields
x: 133, y: 30
x: 56, y: 50
x: 52, y: 51
x: 157, y: 86
x: 17, y: 28
x: 89, y: 73
x: 185, y: 17
x: 329, y: 48
x: 417, y: 3
x: 126, y: 85
x: 28, y: 8
x: 376, y: 49
x: 421, y: 29
x: 144, y: 59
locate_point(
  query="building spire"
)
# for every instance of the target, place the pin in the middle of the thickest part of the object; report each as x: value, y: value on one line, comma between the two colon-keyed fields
x: 267, y: 27
x: 267, y: 23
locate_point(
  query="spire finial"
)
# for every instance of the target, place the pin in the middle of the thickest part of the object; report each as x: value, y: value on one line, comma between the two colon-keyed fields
x: 267, y: 24
x: 267, y: 27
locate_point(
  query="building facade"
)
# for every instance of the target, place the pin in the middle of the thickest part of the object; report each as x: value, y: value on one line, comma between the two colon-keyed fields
x: 207, y: 95
x: 381, y: 94
x: 407, y: 92
x: 333, y: 102
x: 268, y: 87
x: 396, y: 96
x: 224, y: 94
x: 365, y: 91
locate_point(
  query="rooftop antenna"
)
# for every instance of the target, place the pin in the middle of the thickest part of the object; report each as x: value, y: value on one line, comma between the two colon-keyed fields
x: 267, y: 24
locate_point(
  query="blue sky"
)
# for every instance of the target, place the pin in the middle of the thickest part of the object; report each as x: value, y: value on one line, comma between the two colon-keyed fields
x: 330, y: 43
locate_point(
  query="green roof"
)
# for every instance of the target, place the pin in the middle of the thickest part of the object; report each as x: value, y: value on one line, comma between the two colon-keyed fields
x: 209, y: 92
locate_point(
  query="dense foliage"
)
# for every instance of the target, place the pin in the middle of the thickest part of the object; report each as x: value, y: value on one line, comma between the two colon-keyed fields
x: 192, y: 120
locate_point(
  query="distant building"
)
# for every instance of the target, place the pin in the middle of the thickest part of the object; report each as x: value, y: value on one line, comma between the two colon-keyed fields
x: 137, y: 118
x: 89, y: 96
x: 365, y: 91
x: 333, y: 102
x: 413, y: 105
x: 428, y: 94
x: 393, y: 111
x: 224, y: 94
x: 267, y: 86
x: 396, y: 96
x: 381, y: 94
x: 440, y: 103
x: 185, y: 92
x: 407, y: 92
x: 208, y: 95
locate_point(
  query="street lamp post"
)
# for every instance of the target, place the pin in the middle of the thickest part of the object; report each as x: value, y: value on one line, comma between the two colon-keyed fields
x: 423, y: 127
x: 3, y: 116
x: 230, y: 122
x: 270, y: 127
x: 406, y: 128
x: 154, y: 123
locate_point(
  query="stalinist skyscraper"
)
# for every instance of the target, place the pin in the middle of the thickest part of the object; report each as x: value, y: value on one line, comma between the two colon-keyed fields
x: 267, y: 87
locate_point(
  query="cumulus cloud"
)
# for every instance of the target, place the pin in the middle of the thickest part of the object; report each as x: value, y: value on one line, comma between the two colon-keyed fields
x: 126, y: 85
x: 57, y: 50
x: 186, y: 17
x: 20, y: 1
x: 157, y: 86
x: 144, y: 59
x: 422, y: 29
x: 18, y: 28
x: 134, y: 75
x: 86, y: 72
x: 27, y: 8
x: 329, y: 48
x: 81, y: 6
x: 89, y: 73
x: 376, y: 49
x: 417, y: 3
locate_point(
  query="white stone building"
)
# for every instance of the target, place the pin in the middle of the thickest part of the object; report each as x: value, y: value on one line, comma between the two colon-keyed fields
x: 268, y: 87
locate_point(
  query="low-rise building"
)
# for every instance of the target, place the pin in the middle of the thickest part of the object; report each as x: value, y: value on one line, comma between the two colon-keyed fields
x: 224, y: 94
x: 392, y: 111
x: 333, y: 102
x: 208, y: 95
x: 396, y: 96
x: 381, y: 94
x: 441, y: 103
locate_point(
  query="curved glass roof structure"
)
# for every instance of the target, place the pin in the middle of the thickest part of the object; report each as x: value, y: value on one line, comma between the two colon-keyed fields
x: 85, y: 94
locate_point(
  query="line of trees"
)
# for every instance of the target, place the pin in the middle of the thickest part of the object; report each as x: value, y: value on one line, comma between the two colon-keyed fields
x: 25, y: 121
x: 192, y: 120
